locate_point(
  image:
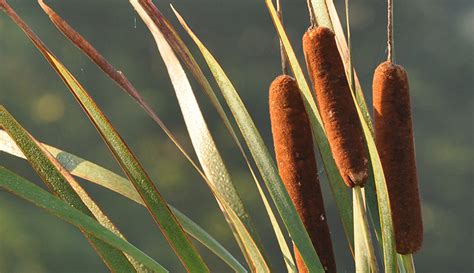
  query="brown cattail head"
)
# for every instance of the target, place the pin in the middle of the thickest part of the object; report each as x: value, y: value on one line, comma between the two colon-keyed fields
x: 394, y: 139
x: 336, y: 105
x: 297, y: 165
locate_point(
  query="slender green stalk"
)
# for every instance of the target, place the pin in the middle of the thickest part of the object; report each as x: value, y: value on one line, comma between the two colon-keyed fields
x: 407, y: 261
x: 362, y: 232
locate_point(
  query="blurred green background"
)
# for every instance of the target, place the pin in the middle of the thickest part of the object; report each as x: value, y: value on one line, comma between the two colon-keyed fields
x: 434, y: 40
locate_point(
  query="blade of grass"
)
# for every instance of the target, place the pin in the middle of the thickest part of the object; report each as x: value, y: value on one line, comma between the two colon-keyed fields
x: 339, y: 190
x: 187, y: 58
x: 363, y: 241
x: 203, y: 142
x: 262, y: 157
x: 61, y: 184
x: 96, y: 174
x: 34, y: 194
x: 360, y: 248
x: 156, y: 205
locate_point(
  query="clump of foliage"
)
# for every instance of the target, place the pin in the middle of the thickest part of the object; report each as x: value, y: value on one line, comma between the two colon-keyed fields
x: 338, y: 122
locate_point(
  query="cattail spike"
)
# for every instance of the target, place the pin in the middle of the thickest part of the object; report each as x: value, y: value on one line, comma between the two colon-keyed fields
x: 336, y: 105
x: 394, y: 139
x: 297, y: 166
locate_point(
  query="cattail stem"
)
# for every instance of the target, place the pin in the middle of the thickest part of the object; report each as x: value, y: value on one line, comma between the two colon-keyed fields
x: 351, y: 67
x: 283, y: 57
x: 364, y: 250
x: 390, y: 49
x: 394, y: 140
x: 312, y: 16
x: 297, y: 166
x: 337, y: 108
x: 407, y: 261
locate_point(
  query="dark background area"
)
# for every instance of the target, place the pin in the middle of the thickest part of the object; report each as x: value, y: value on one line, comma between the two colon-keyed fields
x: 434, y: 41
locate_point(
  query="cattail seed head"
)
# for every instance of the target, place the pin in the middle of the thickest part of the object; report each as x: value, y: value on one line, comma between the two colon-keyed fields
x: 394, y: 139
x: 336, y: 106
x: 297, y: 165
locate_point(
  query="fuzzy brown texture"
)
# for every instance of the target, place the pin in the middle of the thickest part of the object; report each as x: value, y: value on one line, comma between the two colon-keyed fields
x: 394, y: 139
x: 336, y: 105
x: 297, y: 165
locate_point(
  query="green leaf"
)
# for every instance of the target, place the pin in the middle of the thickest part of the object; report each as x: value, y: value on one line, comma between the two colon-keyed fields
x: 206, y: 150
x: 34, y: 194
x: 61, y: 184
x: 262, y: 157
x: 340, y: 192
x: 96, y: 174
x: 182, y: 51
x: 155, y: 203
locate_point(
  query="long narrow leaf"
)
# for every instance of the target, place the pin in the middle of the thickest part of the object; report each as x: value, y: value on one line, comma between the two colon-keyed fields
x: 204, y: 145
x: 61, y: 184
x: 339, y: 190
x: 155, y: 203
x: 182, y: 51
x: 34, y: 194
x: 96, y: 174
x: 262, y: 157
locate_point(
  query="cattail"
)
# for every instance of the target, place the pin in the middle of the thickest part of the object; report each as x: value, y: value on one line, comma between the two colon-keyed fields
x: 297, y: 166
x: 336, y: 105
x: 394, y: 139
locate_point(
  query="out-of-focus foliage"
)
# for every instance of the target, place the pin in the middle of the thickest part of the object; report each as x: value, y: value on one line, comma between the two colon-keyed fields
x: 434, y: 41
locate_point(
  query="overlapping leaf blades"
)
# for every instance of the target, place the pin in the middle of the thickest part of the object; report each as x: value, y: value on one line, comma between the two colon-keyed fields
x: 156, y: 205
x: 34, y: 194
x: 96, y: 174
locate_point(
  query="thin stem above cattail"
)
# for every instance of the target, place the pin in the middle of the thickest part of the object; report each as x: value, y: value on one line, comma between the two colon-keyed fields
x: 283, y: 57
x: 390, y: 49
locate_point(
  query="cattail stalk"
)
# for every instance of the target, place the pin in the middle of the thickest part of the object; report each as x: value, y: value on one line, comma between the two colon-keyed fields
x: 336, y: 105
x: 297, y: 166
x: 394, y: 140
